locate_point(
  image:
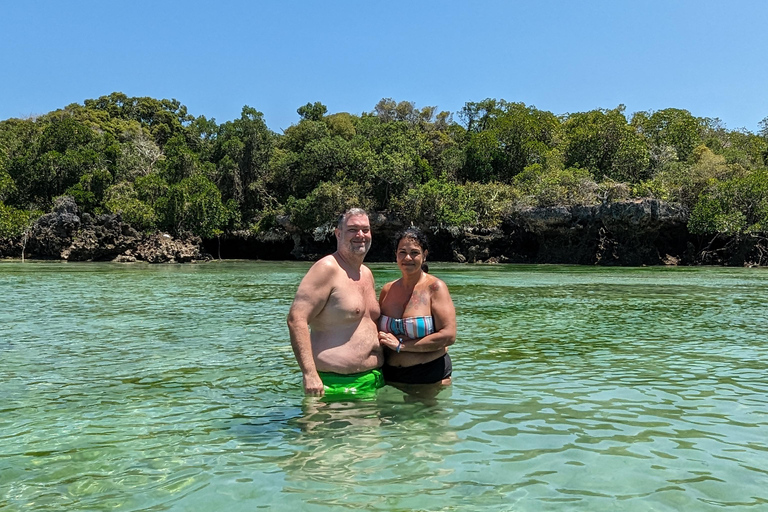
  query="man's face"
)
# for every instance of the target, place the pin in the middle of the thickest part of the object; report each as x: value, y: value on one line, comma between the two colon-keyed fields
x: 355, y: 235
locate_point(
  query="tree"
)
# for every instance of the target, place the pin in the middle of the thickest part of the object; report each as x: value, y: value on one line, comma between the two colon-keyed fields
x: 736, y: 206
x: 122, y: 198
x: 321, y: 206
x: 386, y: 110
x: 194, y: 206
x: 164, y: 118
x: 673, y: 132
x: 14, y: 221
x: 504, y: 138
x: 57, y: 154
x: 684, y: 183
x: 139, y: 155
x: 763, y: 132
x: 342, y: 125
x: 243, y: 149
x: 604, y: 143
x: 88, y: 193
x: 553, y: 187
x: 438, y: 203
x: 312, y: 111
x: 393, y: 157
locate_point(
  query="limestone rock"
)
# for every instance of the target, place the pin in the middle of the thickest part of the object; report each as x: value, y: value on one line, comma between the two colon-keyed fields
x: 162, y: 248
x: 67, y: 235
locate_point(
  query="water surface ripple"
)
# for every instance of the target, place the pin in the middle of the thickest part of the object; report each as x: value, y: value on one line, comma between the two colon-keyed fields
x: 173, y: 387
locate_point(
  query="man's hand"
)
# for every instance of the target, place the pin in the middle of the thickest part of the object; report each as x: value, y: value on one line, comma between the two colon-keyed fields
x: 313, y: 386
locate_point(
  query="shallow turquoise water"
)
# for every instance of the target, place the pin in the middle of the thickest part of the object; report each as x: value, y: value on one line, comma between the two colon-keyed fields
x: 134, y: 387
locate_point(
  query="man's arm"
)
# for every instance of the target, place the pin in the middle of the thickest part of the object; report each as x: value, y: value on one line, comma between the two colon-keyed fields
x: 310, y: 300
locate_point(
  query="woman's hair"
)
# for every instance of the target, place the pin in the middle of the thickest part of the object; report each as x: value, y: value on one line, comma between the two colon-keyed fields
x: 415, y: 234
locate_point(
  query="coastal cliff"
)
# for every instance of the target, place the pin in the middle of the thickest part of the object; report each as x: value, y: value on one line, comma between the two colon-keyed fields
x: 628, y: 233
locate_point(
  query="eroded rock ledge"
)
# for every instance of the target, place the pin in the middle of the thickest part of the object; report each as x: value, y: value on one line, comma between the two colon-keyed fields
x: 647, y: 232
x: 65, y: 234
x: 630, y: 233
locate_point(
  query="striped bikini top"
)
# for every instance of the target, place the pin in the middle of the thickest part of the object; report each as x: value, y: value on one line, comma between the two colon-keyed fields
x: 412, y: 327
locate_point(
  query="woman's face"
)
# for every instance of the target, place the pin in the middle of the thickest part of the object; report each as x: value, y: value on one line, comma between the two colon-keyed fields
x: 410, y: 256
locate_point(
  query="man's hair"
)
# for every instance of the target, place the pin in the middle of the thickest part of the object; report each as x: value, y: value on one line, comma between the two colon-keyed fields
x: 349, y: 213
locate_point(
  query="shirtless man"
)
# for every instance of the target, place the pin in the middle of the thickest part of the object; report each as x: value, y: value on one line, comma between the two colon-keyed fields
x: 332, y: 321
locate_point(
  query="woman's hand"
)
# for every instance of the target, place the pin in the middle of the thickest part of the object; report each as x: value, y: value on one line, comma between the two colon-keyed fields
x: 389, y: 340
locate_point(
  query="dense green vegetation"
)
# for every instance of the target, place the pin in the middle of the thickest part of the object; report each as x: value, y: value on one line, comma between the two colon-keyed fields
x: 162, y: 168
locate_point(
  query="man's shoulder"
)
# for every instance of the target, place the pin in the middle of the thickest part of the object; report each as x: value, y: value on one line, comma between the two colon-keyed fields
x: 326, y: 264
x: 327, y: 268
x: 322, y: 271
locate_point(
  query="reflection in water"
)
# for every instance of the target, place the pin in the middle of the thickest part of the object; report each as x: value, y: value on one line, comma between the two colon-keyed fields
x: 131, y: 387
x: 357, y: 454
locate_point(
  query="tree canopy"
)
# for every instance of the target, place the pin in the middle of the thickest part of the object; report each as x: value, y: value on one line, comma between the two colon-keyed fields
x: 164, y: 169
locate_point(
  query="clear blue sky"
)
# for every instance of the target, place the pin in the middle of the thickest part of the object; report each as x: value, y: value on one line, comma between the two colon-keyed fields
x: 709, y: 57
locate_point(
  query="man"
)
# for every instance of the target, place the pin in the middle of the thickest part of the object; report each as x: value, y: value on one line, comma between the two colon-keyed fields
x: 332, y: 321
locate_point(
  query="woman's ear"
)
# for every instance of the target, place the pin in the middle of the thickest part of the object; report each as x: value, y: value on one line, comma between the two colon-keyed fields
x: 425, y: 254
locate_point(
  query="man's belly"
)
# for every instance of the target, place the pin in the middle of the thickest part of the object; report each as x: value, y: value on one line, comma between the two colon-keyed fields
x: 347, y: 351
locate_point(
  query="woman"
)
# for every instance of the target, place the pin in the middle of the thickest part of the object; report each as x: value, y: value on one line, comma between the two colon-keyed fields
x: 418, y: 320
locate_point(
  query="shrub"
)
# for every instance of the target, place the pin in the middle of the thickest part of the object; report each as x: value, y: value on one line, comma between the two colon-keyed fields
x: 88, y: 193
x: 13, y: 221
x: 610, y: 191
x: 491, y: 201
x: 684, y: 183
x: 552, y: 187
x: 735, y: 206
x: 437, y: 203
x: 122, y: 198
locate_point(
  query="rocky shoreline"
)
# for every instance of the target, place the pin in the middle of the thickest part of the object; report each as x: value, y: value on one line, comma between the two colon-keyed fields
x: 629, y: 233
x: 65, y: 234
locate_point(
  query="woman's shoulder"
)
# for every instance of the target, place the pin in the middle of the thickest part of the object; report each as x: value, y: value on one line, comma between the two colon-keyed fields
x: 434, y: 283
x: 437, y: 287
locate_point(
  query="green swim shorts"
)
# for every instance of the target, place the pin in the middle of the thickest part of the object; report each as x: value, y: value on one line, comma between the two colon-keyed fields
x: 354, y: 385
